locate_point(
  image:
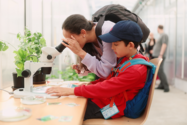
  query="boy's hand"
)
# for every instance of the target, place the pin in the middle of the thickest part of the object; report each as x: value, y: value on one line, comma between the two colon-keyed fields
x: 60, y: 91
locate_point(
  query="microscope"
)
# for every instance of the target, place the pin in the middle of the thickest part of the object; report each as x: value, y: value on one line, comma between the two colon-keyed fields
x: 45, y: 63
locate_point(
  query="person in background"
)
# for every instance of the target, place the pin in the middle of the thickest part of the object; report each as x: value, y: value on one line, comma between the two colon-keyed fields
x: 159, y: 51
x: 151, y: 45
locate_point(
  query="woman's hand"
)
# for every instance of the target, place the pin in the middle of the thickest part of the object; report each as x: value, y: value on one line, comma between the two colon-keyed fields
x: 76, y: 68
x: 74, y: 46
x: 60, y: 91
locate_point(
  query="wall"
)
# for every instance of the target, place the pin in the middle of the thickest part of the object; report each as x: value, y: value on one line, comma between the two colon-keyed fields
x: 11, y: 23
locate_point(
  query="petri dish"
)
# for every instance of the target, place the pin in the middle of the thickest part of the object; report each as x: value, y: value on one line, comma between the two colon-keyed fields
x: 54, y: 82
x: 32, y: 100
x: 15, y: 114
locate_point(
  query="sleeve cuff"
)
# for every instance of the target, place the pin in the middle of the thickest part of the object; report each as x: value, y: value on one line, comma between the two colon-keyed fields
x: 77, y: 91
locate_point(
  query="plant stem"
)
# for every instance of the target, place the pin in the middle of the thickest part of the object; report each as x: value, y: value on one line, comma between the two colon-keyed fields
x: 12, y: 45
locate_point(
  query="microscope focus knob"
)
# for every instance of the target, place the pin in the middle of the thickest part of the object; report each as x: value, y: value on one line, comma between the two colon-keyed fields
x: 49, y: 57
x: 26, y: 73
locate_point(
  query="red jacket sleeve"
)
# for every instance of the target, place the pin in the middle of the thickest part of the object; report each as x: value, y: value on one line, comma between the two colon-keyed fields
x: 96, y: 81
x: 128, y: 79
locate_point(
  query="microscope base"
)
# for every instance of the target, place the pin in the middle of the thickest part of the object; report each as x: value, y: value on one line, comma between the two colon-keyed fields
x: 19, y: 93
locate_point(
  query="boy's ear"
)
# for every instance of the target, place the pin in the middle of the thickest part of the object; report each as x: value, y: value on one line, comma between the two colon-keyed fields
x: 131, y: 45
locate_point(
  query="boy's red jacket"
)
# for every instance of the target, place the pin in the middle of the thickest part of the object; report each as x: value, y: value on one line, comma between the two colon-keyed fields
x: 131, y: 80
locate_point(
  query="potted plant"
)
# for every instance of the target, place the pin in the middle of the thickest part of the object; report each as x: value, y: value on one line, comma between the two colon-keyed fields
x: 3, y: 47
x: 29, y: 49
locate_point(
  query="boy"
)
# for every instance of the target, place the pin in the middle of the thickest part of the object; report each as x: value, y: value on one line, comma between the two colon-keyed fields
x: 125, y: 37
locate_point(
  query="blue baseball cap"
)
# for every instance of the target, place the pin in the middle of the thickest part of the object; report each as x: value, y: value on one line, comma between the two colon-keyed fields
x: 123, y: 30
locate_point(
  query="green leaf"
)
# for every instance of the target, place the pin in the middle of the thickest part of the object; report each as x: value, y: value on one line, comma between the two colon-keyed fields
x: 39, y: 34
x: 53, y: 76
x: 19, y: 72
x: 33, y: 46
x: 21, y: 55
x: 31, y: 51
x: 5, y: 48
x: 1, y: 46
x: 33, y: 39
x: 80, y: 77
x: 60, y: 72
x: 34, y: 59
x: 36, y: 41
x: 70, y: 73
x: 28, y: 32
x: 42, y: 42
x: 20, y: 65
x: 16, y: 52
x: 19, y: 36
x: 29, y: 39
x: 24, y: 40
x: 47, y: 77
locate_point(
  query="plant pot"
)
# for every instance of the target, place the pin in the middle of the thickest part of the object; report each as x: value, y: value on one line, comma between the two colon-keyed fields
x: 18, y: 81
x: 39, y: 78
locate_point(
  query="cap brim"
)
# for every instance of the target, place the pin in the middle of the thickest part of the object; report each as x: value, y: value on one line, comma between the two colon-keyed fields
x: 109, y: 38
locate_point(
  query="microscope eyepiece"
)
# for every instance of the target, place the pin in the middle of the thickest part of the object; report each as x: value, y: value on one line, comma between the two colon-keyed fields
x: 61, y: 47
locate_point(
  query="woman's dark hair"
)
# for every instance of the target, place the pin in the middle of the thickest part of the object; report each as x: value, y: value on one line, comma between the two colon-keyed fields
x: 74, y: 24
x: 136, y: 44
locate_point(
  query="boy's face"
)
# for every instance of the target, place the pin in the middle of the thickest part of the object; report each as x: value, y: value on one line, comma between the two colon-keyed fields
x: 121, y: 49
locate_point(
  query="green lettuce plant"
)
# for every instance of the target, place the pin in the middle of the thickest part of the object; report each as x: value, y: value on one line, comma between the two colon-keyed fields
x: 29, y: 49
x: 69, y: 74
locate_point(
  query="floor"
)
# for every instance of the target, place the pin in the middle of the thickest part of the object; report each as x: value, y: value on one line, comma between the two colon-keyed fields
x: 168, y: 108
